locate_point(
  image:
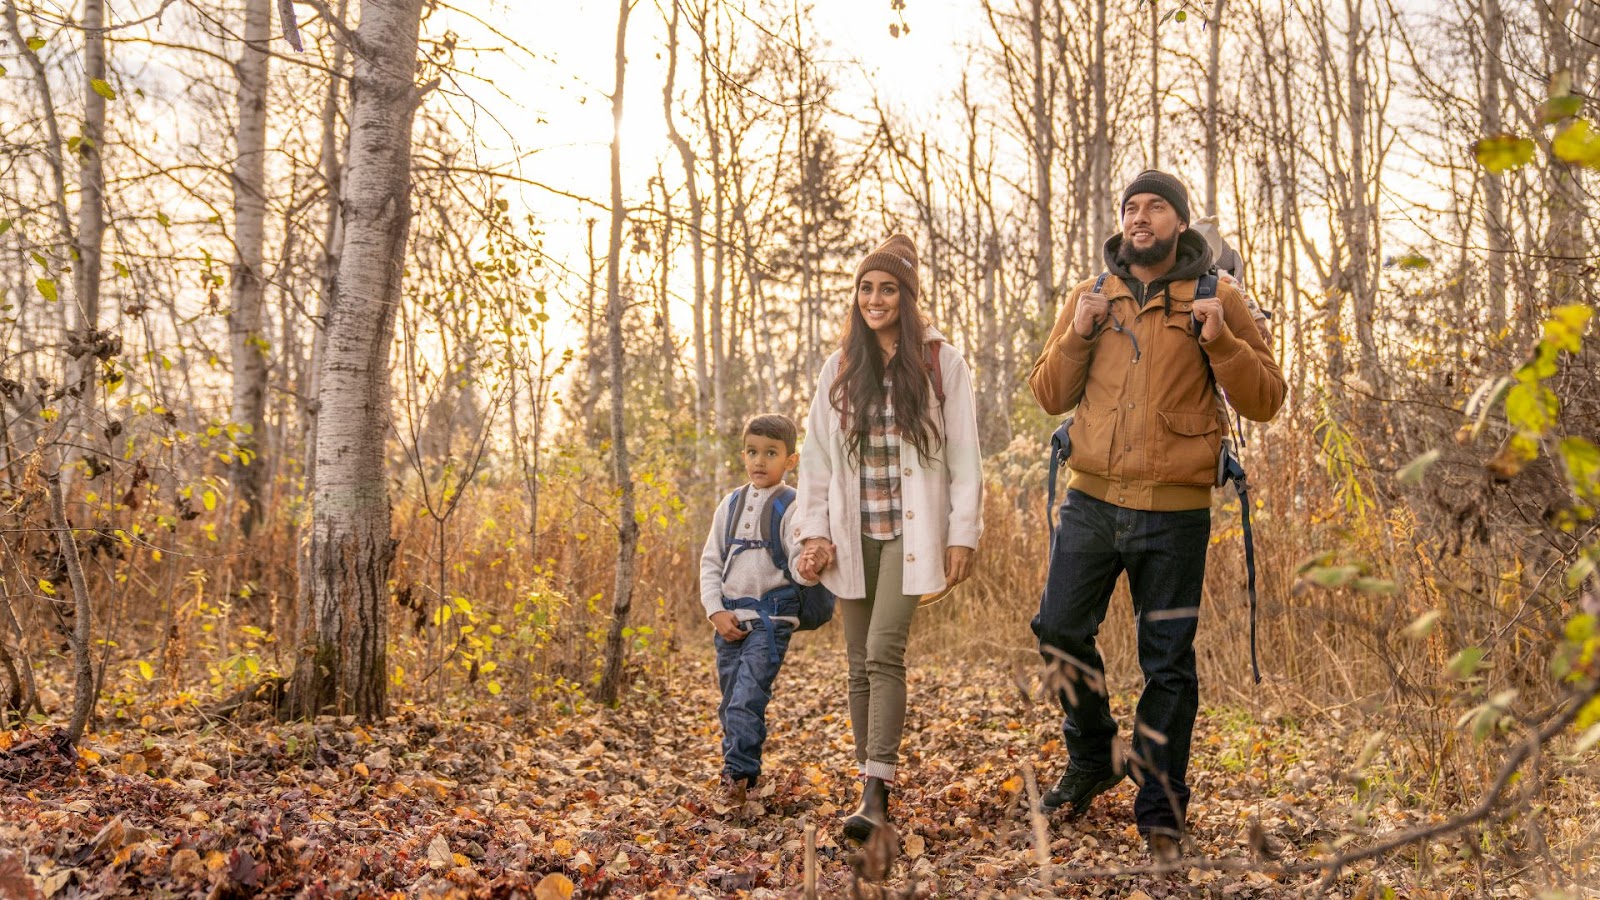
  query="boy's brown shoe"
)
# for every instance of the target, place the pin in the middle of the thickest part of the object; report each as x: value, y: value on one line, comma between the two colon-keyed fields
x: 736, y: 790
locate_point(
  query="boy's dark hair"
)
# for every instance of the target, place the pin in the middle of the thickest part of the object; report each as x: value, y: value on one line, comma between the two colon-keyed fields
x: 776, y: 427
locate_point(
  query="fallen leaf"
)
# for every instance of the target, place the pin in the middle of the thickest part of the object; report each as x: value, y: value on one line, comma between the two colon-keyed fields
x: 14, y: 881
x: 439, y: 856
x: 554, y: 887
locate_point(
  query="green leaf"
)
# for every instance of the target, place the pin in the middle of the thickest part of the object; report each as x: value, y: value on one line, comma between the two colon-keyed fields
x: 1181, y: 16
x: 1465, y: 663
x: 1413, y: 261
x: 1422, y: 625
x: 2, y: 71
x: 5, y: 224
x: 47, y: 288
x: 1412, y: 472
x: 1375, y: 586
x: 1564, y: 329
x: 1334, y: 576
x: 161, y: 218
x: 103, y: 88
x: 36, y: 43
x: 1579, y: 144
x: 1555, y: 109
x: 1580, y: 628
x: 1531, y: 407
x: 1503, y: 151
x: 1583, y: 465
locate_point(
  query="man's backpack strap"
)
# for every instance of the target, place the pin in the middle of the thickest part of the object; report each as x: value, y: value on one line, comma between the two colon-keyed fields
x: 1061, y: 443
x: 1230, y: 469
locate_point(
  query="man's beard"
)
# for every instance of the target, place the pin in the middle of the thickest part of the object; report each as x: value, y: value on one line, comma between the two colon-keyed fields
x: 1129, y: 255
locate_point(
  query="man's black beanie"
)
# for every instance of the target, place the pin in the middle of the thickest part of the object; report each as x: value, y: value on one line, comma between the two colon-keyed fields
x: 1163, y: 185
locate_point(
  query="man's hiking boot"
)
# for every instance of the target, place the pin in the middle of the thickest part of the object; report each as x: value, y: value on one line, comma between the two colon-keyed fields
x: 1165, y: 844
x: 1077, y: 789
x: 873, y: 812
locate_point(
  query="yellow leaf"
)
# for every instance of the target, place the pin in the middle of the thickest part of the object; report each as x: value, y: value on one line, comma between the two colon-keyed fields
x: 209, y: 498
x: 48, y: 588
x: 1012, y: 785
x: 554, y: 887
x: 1503, y: 151
x: 562, y: 847
x: 145, y: 672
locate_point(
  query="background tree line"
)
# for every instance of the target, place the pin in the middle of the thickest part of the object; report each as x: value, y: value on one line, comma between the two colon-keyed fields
x: 306, y: 395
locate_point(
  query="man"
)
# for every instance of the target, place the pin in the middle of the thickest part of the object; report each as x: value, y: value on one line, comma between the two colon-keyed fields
x: 1141, y: 360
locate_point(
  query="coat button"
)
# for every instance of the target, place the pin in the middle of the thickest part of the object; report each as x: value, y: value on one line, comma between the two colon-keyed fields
x: 910, y: 514
x: 906, y: 472
x: 911, y: 557
x: 1130, y: 406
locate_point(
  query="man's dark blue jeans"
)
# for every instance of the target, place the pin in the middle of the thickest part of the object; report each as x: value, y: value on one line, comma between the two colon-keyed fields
x: 1164, y: 554
x: 745, y: 672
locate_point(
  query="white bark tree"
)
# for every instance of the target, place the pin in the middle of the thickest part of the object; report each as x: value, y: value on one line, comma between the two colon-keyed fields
x: 250, y: 211
x: 627, y: 527
x: 341, y: 649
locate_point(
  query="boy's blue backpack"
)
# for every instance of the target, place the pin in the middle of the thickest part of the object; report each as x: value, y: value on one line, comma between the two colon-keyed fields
x: 816, y: 601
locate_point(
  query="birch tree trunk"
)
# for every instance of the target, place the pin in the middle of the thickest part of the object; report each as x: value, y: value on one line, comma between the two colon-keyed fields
x: 341, y: 649
x: 82, y: 378
x: 1494, y: 203
x: 250, y: 211
x: 1155, y: 86
x: 702, y: 374
x: 1100, y: 186
x: 1213, y: 114
x: 1043, y: 153
x: 627, y: 528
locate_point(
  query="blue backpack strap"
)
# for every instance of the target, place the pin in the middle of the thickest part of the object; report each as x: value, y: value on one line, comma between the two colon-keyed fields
x: 735, y: 500
x: 1100, y: 282
x: 772, y: 526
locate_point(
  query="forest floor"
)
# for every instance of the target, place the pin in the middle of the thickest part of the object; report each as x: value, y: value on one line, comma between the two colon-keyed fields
x: 475, y: 802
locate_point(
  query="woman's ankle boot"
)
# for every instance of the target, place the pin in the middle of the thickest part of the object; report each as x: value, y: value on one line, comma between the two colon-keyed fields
x: 873, y: 812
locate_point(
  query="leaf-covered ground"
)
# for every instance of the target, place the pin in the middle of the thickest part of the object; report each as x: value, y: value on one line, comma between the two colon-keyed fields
x: 477, y: 803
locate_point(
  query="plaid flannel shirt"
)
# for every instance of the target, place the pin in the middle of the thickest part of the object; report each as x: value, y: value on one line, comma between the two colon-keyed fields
x: 880, y: 473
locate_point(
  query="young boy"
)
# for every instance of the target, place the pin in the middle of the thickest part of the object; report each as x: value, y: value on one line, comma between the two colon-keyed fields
x: 751, y: 603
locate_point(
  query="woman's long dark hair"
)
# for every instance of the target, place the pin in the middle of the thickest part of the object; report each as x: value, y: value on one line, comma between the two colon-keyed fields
x: 857, y: 391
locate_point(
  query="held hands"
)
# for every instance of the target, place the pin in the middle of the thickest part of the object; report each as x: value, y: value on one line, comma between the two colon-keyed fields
x: 817, y: 556
x: 727, y: 625
x: 1093, y: 310
x: 958, y: 565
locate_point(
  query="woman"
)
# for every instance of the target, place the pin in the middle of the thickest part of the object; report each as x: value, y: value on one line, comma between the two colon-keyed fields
x: 890, y: 497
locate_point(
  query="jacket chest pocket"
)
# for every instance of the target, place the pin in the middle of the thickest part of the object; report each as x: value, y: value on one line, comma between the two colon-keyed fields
x: 1187, y: 447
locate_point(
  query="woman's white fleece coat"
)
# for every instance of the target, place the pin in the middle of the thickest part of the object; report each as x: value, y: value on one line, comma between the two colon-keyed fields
x: 941, y: 499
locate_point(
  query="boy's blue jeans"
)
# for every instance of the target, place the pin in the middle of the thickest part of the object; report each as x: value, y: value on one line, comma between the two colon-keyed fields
x: 1164, y: 554
x: 745, y: 672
